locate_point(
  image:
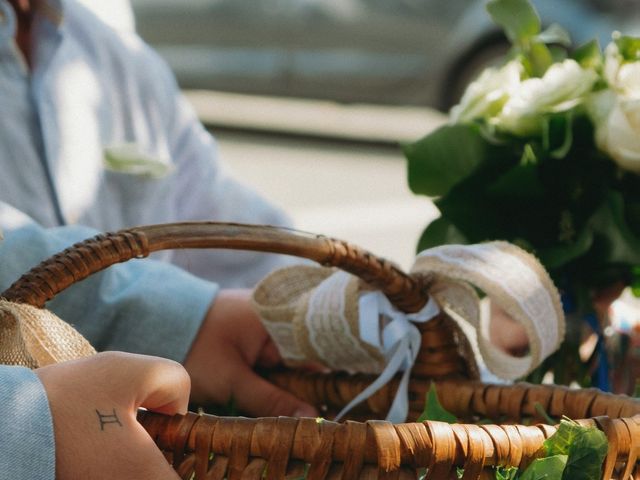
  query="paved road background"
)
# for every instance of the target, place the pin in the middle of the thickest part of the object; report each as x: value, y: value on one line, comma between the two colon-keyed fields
x: 327, y: 178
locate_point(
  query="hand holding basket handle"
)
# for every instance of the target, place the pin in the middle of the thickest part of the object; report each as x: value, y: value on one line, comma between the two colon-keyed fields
x: 213, y: 447
x: 93, y: 402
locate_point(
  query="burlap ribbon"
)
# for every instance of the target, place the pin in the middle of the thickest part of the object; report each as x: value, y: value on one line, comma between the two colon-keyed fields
x: 322, y: 315
x: 515, y: 281
x: 33, y: 337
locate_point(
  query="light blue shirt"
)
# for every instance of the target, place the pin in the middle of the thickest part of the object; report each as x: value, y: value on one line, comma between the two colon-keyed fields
x: 26, y: 450
x: 97, y: 134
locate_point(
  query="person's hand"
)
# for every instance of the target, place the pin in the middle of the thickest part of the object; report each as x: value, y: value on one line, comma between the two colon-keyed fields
x: 94, y: 402
x: 507, y: 334
x: 230, y: 343
x: 511, y: 337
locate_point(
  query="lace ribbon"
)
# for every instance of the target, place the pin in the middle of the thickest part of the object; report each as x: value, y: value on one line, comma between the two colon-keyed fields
x: 323, y: 315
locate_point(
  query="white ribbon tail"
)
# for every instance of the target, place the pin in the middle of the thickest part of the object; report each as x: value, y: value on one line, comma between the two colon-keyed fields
x: 400, y: 343
x: 395, y: 362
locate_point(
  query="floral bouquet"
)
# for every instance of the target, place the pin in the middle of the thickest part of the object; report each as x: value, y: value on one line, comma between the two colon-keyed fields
x: 544, y: 152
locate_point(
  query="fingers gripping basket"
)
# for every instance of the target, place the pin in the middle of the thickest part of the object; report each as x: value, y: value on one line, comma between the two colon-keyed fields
x: 210, y: 447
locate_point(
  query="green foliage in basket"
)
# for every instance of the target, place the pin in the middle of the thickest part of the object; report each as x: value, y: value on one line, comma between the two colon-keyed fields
x: 583, y: 447
x: 573, y: 452
x: 433, y: 409
x: 508, y: 473
x: 544, y: 152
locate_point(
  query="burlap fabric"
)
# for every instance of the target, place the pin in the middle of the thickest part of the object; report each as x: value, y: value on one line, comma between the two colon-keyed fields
x: 33, y: 337
x: 288, y: 302
x: 283, y: 300
x: 513, y: 279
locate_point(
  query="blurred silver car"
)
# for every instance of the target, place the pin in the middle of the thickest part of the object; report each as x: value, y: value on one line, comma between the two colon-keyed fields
x: 411, y: 52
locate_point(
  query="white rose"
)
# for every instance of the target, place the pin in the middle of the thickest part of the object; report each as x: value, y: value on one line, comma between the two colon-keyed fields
x: 616, y: 111
x: 485, y: 96
x: 563, y: 86
x: 619, y: 136
x: 622, y: 77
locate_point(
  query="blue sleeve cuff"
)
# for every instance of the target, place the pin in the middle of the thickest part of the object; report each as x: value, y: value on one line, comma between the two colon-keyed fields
x: 27, y: 449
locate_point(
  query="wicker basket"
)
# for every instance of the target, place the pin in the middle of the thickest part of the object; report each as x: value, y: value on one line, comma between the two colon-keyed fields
x: 210, y: 447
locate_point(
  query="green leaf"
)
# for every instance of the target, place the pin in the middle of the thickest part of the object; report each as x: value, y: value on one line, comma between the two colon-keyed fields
x: 585, y: 446
x: 433, y: 410
x: 518, y: 18
x: 587, y: 455
x: 529, y: 155
x: 543, y: 413
x: 558, y: 53
x: 445, y: 157
x: 506, y: 473
x: 557, y: 134
x: 560, y: 254
x: 476, y: 215
x: 560, y: 442
x: 440, y: 232
x: 629, y: 47
x: 540, y: 57
x: 616, y: 243
x: 635, y: 281
x: 589, y: 55
x: 554, y: 34
x: 520, y: 181
x: 547, y: 468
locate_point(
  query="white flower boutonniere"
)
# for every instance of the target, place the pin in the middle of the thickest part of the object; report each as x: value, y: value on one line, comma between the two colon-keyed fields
x: 130, y: 158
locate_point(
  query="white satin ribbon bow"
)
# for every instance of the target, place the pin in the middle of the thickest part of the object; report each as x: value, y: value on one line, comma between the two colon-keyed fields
x: 400, y: 344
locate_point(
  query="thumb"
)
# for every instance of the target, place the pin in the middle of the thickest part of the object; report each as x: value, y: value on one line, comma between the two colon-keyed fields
x: 256, y: 396
x: 161, y: 385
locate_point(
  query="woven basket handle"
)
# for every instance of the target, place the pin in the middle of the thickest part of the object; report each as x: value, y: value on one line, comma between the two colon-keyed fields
x: 52, y: 276
x: 406, y: 292
x: 359, y: 448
